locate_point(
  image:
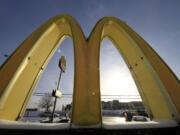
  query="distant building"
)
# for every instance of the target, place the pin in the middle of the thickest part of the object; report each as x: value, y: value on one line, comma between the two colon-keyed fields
x: 31, y: 112
x: 115, y: 107
x: 138, y: 105
x: 107, y: 105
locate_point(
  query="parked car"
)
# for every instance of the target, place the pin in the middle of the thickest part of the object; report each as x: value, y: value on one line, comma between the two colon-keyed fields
x: 48, y: 114
x: 64, y: 120
x: 46, y: 120
x: 139, y: 118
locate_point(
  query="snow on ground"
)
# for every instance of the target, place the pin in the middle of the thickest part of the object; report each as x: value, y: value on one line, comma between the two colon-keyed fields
x: 108, y: 123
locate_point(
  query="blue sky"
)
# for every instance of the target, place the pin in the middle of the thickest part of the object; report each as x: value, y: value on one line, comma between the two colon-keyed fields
x: 157, y: 21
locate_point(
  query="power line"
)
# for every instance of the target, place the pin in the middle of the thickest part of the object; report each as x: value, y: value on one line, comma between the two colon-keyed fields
x: 105, y: 96
x: 68, y: 94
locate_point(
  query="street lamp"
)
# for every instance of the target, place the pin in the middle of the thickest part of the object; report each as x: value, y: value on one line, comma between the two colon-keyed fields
x: 56, y: 93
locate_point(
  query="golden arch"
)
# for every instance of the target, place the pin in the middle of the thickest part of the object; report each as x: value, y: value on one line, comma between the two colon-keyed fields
x: 158, y: 86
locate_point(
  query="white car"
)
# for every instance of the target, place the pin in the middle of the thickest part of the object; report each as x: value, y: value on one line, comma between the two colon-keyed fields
x: 139, y: 118
x: 64, y: 120
x: 46, y: 120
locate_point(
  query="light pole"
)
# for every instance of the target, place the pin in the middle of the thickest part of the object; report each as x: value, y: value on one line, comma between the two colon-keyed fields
x: 56, y: 93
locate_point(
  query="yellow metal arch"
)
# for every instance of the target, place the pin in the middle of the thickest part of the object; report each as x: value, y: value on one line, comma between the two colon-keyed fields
x: 156, y: 83
x: 158, y: 86
x: 20, y: 73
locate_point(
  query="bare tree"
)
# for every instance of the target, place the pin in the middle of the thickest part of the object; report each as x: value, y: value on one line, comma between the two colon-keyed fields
x: 46, y: 102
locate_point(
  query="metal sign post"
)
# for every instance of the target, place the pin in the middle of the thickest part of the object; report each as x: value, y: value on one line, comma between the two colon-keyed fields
x: 56, y: 93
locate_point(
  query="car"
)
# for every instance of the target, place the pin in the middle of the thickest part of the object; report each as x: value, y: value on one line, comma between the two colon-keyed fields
x: 64, y: 120
x: 46, y: 120
x: 139, y: 118
x: 48, y: 114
